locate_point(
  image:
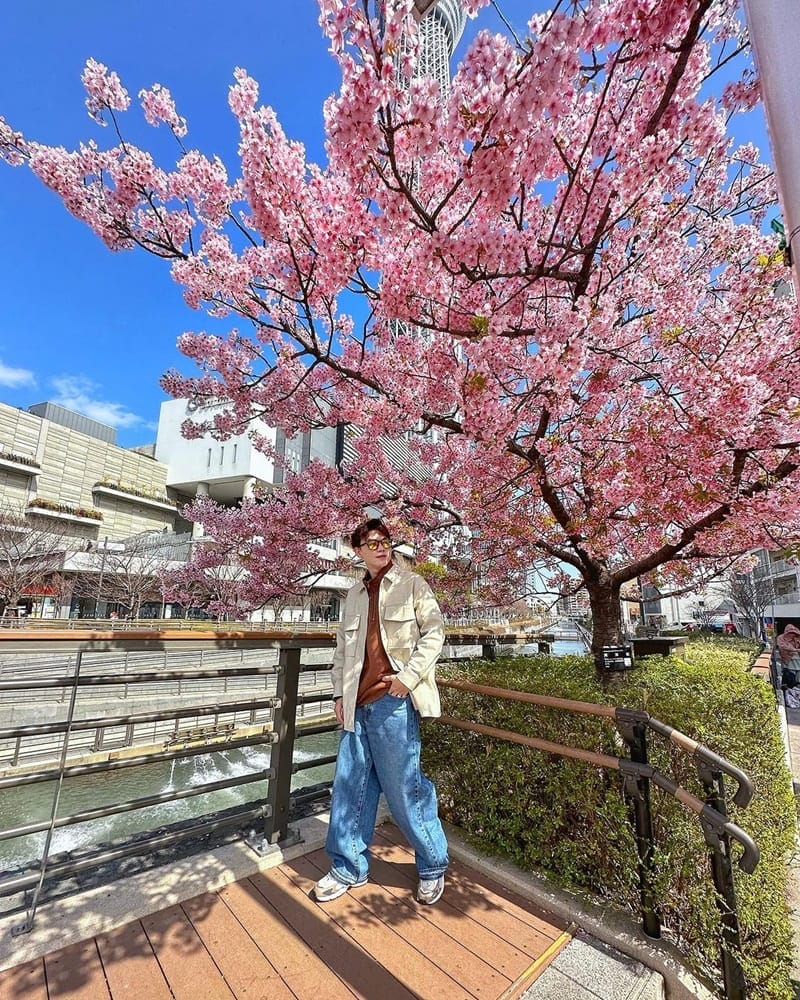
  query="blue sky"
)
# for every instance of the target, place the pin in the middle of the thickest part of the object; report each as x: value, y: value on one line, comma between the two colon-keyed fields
x: 94, y: 330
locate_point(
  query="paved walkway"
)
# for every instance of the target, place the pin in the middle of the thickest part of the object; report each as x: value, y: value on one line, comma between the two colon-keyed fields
x: 589, y: 970
x: 790, y: 725
x: 792, y: 741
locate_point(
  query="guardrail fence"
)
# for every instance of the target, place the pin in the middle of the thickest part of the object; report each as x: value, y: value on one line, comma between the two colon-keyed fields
x: 637, y: 776
x: 256, y: 704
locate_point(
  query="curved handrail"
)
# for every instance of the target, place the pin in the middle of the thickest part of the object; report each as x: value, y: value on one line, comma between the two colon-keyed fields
x: 711, y: 819
x: 744, y: 789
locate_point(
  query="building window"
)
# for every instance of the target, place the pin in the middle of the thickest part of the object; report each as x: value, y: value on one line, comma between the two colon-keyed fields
x: 222, y: 454
x: 208, y: 460
x: 234, y: 453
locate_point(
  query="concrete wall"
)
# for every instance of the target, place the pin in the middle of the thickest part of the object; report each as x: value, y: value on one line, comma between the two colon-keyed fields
x: 71, y: 464
x: 206, y: 460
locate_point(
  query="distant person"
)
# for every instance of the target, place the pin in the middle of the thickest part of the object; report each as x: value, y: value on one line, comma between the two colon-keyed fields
x: 387, y: 644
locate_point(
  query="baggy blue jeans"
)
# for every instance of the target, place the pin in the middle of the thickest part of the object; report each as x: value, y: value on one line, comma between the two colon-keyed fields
x: 382, y: 755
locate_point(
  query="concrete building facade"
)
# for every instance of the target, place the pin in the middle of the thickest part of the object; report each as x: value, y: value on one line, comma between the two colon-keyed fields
x: 61, y: 468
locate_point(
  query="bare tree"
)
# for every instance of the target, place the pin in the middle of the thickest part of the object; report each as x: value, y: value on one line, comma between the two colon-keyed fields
x: 135, y: 573
x: 127, y: 572
x: 518, y: 610
x: 29, y: 557
x: 752, y: 595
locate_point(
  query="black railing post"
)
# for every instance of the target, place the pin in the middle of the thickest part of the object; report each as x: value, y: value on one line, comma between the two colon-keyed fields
x: 282, y: 751
x: 634, y: 731
x: 775, y: 670
x: 722, y: 873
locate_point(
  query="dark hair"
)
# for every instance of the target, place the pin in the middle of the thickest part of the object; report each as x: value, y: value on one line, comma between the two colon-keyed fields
x: 361, y: 532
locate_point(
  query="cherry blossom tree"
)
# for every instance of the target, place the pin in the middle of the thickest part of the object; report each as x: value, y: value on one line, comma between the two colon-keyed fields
x: 553, y: 285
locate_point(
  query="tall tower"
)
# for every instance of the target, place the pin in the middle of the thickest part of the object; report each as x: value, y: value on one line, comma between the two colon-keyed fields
x: 441, y: 28
x: 441, y: 24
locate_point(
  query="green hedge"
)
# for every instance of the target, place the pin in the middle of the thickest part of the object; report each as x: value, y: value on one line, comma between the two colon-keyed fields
x: 567, y: 820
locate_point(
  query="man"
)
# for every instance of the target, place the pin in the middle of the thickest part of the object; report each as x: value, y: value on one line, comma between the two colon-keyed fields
x: 387, y: 645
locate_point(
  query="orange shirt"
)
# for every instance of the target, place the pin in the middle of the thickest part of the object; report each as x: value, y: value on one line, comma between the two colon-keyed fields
x: 371, y: 685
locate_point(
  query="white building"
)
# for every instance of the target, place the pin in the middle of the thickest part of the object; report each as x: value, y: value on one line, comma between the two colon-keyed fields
x: 228, y: 470
x: 783, y: 579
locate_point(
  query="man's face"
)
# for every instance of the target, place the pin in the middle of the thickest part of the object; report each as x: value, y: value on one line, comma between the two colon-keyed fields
x: 375, y: 559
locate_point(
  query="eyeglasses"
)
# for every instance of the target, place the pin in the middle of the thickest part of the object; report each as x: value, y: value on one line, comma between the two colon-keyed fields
x: 373, y: 544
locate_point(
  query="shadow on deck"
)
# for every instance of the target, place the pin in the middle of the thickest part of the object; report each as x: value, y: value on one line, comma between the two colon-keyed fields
x: 263, y: 936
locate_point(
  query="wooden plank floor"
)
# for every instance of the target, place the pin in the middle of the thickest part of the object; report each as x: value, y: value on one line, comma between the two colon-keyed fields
x: 264, y: 938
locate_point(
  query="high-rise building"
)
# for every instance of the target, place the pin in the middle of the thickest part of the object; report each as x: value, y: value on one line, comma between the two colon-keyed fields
x: 441, y: 28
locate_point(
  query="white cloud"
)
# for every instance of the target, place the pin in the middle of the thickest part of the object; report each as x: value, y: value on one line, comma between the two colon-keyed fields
x: 75, y: 392
x: 15, y: 377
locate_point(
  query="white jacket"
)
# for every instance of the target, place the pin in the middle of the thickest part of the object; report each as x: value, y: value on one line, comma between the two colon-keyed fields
x: 412, y: 632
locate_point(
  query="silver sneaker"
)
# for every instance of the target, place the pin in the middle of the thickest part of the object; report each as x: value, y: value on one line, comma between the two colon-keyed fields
x: 329, y: 887
x: 430, y: 890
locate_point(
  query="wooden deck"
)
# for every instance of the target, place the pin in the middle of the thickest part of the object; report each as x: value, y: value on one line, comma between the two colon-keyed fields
x: 264, y: 938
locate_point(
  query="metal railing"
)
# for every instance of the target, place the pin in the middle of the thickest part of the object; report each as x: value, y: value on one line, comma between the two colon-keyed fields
x: 267, y: 721
x: 204, y: 625
x: 157, y: 624
x: 165, y: 735
x: 637, y: 776
x: 270, y: 721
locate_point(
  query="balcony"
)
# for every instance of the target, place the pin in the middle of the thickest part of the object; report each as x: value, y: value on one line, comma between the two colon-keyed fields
x: 790, y: 597
x: 63, y: 512
x: 777, y: 567
x: 19, y: 463
x: 135, y: 497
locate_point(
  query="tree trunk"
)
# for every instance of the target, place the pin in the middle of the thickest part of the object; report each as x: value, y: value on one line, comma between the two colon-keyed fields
x: 606, y: 616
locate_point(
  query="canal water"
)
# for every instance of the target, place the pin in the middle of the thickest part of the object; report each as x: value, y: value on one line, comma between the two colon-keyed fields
x: 33, y: 803
x: 568, y: 647
x: 558, y: 647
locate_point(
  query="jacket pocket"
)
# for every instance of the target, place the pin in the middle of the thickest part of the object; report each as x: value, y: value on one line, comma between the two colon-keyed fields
x: 351, y: 631
x: 400, y: 625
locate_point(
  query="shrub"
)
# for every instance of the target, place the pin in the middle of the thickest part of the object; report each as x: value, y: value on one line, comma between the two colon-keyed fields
x: 42, y: 503
x: 12, y: 456
x: 568, y: 820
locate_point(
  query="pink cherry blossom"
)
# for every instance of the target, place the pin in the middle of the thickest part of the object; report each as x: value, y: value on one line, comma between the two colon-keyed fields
x: 104, y: 92
x: 544, y: 307
x: 159, y: 106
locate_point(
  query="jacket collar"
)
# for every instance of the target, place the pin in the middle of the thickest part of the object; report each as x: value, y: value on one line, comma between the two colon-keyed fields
x: 392, y: 575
